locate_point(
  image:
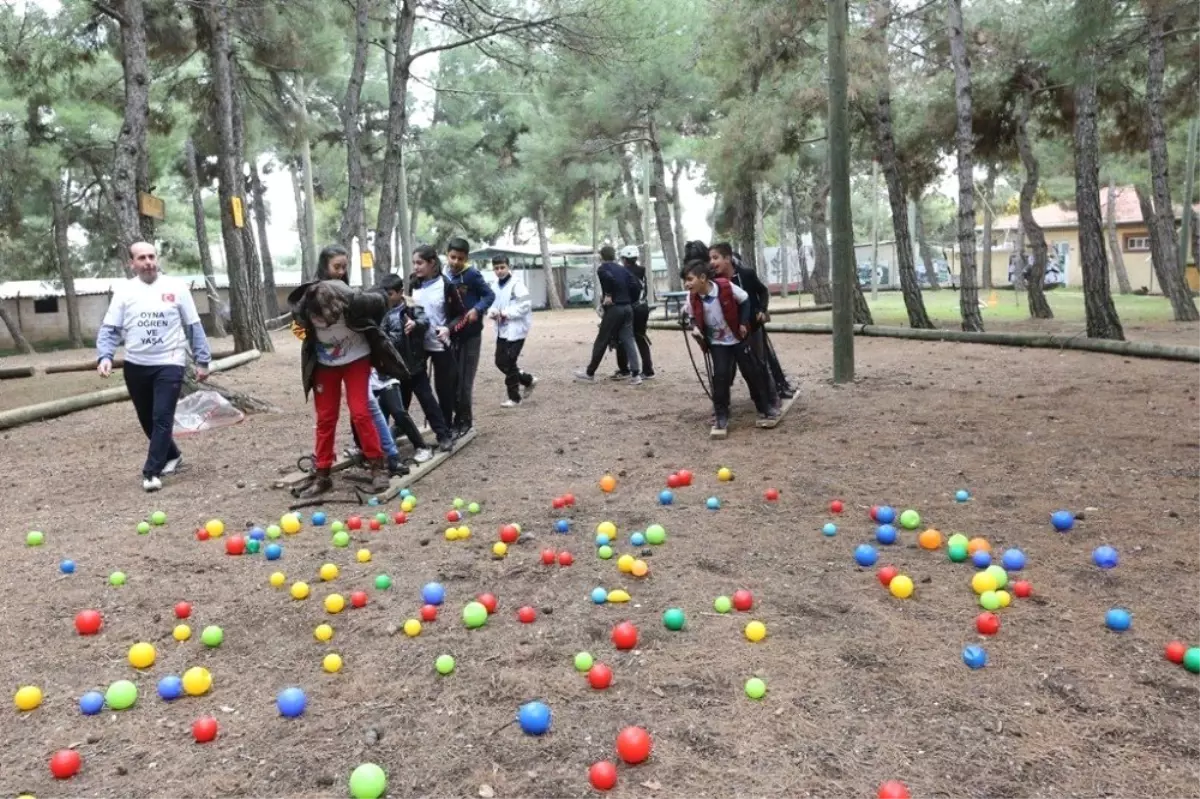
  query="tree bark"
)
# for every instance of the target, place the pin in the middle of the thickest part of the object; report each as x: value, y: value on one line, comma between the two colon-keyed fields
x: 821, y: 290
x: 14, y: 331
x: 784, y: 265
x: 553, y: 296
x: 677, y: 169
x: 1170, y: 273
x: 60, y: 194
x: 1039, y: 308
x: 989, y: 188
x: 760, y: 237
x: 254, y: 268
x: 923, y: 248
x: 130, y: 165
x: 886, y: 143
x: 798, y: 232
x: 631, y: 211
x: 968, y: 292
x: 270, y: 295
x: 309, y: 268
x: 201, y: 225
x: 249, y: 327
x: 1101, y: 314
x: 354, y: 213
x: 744, y: 202
x: 662, y: 205
x: 1114, y: 241
x: 402, y: 216
x: 397, y: 124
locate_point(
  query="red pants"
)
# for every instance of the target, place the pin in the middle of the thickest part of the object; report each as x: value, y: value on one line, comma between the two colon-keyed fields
x: 327, y: 396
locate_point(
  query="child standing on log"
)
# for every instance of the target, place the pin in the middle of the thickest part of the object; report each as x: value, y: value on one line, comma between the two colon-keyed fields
x: 477, y: 297
x: 513, y: 314
x: 443, y: 307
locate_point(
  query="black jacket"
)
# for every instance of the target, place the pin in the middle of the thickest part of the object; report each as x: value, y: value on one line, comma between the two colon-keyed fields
x: 617, y: 283
x: 364, y: 314
x: 410, y: 346
x: 639, y: 276
x: 748, y: 281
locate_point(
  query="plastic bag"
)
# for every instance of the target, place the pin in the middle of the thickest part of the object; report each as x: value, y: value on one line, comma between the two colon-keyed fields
x: 204, y: 410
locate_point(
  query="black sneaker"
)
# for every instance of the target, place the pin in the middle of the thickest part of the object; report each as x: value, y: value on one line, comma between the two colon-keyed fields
x: 787, y: 393
x: 619, y: 375
x: 446, y: 444
x: 721, y: 422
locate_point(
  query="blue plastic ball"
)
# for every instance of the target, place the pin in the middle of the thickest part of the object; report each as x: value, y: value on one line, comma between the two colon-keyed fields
x: 1013, y: 560
x: 291, y: 702
x: 405, y: 493
x: 258, y: 534
x: 273, y: 551
x: 865, y: 555
x: 961, y: 495
x: 599, y: 595
x: 67, y: 567
x: 1062, y: 520
x: 170, y: 687
x: 637, y: 540
x: 562, y: 526
x: 1105, y: 557
x: 1118, y: 619
x: 602, y: 540
x: 665, y: 497
x: 319, y: 518
x: 373, y: 501
x: 974, y: 656
x: 712, y: 503
x: 981, y: 558
x: 885, y: 515
x: 885, y: 534
x: 91, y: 703
x: 829, y: 529
x: 433, y: 593
x: 534, y: 718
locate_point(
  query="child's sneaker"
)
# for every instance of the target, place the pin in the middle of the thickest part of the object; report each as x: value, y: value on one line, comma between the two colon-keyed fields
x: 151, y: 484
x: 527, y: 390
x: 619, y: 375
x: 582, y: 376
x: 635, y: 380
x: 510, y: 404
x: 423, y: 455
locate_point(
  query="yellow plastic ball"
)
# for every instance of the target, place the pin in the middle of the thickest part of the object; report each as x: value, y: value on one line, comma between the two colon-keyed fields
x: 412, y: 628
x: 215, y: 527
x: 328, y: 572
x: 625, y: 564
x: 323, y: 632
x: 756, y: 631
x: 464, y: 533
x: 290, y: 524
x: 196, y: 681
x: 499, y: 549
x: 639, y: 568
x: 901, y: 586
x: 278, y: 579
x: 982, y: 581
x: 607, y: 528
x: 407, y: 506
x: 181, y: 632
x: 28, y: 697
x: 1005, y: 598
x: 299, y: 590
x: 332, y: 663
x: 335, y: 603
x: 724, y: 474
x: 363, y: 556
x: 451, y: 533
x: 141, y: 655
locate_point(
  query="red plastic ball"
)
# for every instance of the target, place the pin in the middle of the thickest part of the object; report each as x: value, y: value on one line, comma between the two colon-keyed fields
x: 1022, y: 588
x: 893, y: 789
x: 565, y: 558
x: 771, y: 495
x: 743, y: 600
x: 201, y: 534
x: 686, y: 476
x: 569, y: 500
x: 235, y: 545
x: 549, y: 556
x: 987, y: 623
x: 886, y: 573
x: 526, y: 615
x: 428, y: 612
x: 374, y: 525
x: 204, y: 729
x: 836, y: 506
x: 673, y: 481
x: 603, y: 775
x: 65, y: 764
x: 488, y: 601
x: 625, y: 635
x: 88, y: 622
x: 874, y: 512
x: 599, y: 676
x: 183, y: 610
x: 354, y: 523
x: 509, y: 534
x: 1175, y: 651
x: 358, y: 599
x: 633, y: 745
x: 400, y: 518
x: 453, y: 515
x: 559, y: 503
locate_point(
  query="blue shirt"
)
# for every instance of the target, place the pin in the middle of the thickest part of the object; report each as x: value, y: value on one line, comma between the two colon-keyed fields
x: 475, y: 293
x: 618, y: 283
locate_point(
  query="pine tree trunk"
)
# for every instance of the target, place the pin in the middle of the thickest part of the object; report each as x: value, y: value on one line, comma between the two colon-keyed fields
x: 923, y: 248
x: 632, y: 212
x: 744, y: 202
x: 1114, y: 241
x: 60, y: 192
x: 309, y: 268
x: 354, y: 212
x: 402, y: 218
x: 308, y: 258
x: 989, y: 187
x: 254, y: 271
x: 1039, y: 308
x: 760, y: 237
x: 784, y: 264
x: 397, y: 124
x: 798, y: 231
x: 821, y: 290
x: 674, y: 281
x: 662, y: 204
x: 968, y: 292
x: 129, y: 163
x: 270, y: 295
x: 553, y: 295
x: 249, y: 327
x: 1102, y: 319
x: 909, y: 286
x: 1170, y: 274
x: 201, y: 224
x: 14, y: 332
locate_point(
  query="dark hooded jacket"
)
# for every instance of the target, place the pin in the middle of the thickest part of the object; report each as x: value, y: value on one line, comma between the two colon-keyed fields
x: 410, y: 346
x: 364, y: 314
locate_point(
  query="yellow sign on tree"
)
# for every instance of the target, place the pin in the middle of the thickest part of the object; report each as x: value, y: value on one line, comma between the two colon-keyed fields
x: 368, y: 259
x: 151, y: 206
x: 236, y: 205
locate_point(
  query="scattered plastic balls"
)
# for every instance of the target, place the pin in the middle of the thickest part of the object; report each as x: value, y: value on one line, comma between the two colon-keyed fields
x: 608, y: 483
x: 599, y: 595
x: 961, y: 495
x: 673, y: 619
x: 656, y: 535
x: 290, y: 524
x: 444, y: 664
x: 65, y: 764
x: 755, y: 631
x: 599, y: 676
x: 637, y: 539
x: 323, y: 632
x: 865, y: 555
x: 666, y: 497
x: 885, y: 514
x: 829, y: 529
x: 28, y: 697
x: 893, y: 789
x: 91, y: 703
x: 116, y: 578
x: 212, y: 636
x: 88, y: 622
x: 771, y: 495
x: 35, y: 538
x: 910, y: 519
x: 332, y: 663
x: 204, y: 729
x: 625, y: 635
x: 142, y: 655
x: 534, y: 717
x: 197, y: 681
x: 743, y: 600
x: 368, y: 781
x: 433, y: 594
x: 901, y: 586
x: 474, y: 615
x: 885, y: 534
x: 1013, y: 560
x: 121, y: 695
x: 633, y: 745
x: 1105, y: 557
x: 561, y: 526
x: 722, y: 604
x: 981, y: 558
x: 412, y: 628
x: 975, y: 657
x: 929, y: 539
x: 1022, y: 588
x: 602, y: 775
x: 319, y: 519
x: 67, y: 567
x: 712, y: 503
x: 1063, y: 520
x: 273, y: 551
x: 291, y: 702
x: 1118, y: 619
x: 755, y: 688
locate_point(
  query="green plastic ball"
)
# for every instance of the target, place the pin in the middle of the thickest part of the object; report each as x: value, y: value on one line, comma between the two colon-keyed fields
x: 383, y: 582
x: 121, y: 695
x: 957, y: 538
x: 755, y: 688
x: 655, y: 534
x: 253, y: 545
x: 273, y: 531
x: 212, y: 636
x: 381, y: 517
x: 341, y: 539
x: 337, y: 526
x: 116, y: 578
x: 1191, y: 660
x: 673, y: 619
x: 459, y: 502
x: 474, y: 615
x: 368, y: 781
x: 34, y: 538
x: 444, y: 664
x: 158, y: 517
x: 989, y: 600
x: 999, y: 573
x: 605, y: 552
x: 910, y: 519
x: 143, y: 528
x: 584, y: 661
x: 473, y: 508
x: 722, y: 604
x: 957, y: 552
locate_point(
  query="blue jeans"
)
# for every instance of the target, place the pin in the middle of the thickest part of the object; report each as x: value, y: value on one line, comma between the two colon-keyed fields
x: 155, y: 392
x: 386, y: 441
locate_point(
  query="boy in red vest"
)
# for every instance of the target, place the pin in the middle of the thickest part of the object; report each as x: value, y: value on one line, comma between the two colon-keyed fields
x: 721, y: 311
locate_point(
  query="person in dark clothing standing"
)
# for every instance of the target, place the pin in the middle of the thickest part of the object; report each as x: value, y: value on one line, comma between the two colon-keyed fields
x: 641, y: 318
x: 619, y: 289
x: 477, y: 296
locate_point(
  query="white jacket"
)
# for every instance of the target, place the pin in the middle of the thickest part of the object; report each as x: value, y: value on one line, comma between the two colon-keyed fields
x: 512, y: 310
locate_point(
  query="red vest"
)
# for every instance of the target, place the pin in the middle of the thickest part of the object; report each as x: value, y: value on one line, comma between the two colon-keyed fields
x: 729, y: 308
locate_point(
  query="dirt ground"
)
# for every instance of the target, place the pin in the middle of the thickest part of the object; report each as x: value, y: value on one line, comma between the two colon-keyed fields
x: 862, y: 687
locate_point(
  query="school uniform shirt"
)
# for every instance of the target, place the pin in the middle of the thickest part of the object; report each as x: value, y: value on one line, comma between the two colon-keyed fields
x: 714, y: 320
x: 338, y: 345
x: 475, y: 293
x: 512, y: 300
x: 156, y: 321
x: 431, y: 296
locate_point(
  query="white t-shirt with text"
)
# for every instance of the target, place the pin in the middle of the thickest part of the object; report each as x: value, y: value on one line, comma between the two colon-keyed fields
x: 338, y: 345
x: 153, y: 319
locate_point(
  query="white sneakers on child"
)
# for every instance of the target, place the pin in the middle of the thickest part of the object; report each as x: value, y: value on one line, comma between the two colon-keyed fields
x: 510, y: 404
x: 423, y: 456
x: 151, y: 484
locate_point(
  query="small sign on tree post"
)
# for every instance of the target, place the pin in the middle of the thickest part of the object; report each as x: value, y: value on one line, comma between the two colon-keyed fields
x: 151, y: 206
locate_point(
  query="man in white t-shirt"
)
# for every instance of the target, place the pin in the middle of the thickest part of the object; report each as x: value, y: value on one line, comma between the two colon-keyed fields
x: 156, y: 319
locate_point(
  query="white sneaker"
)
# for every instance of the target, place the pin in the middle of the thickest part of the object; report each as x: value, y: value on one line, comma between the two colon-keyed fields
x: 510, y: 404
x: 151, y: 484
x: 423, y: 456
x: 529, y: 388
x: 172, y: 465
